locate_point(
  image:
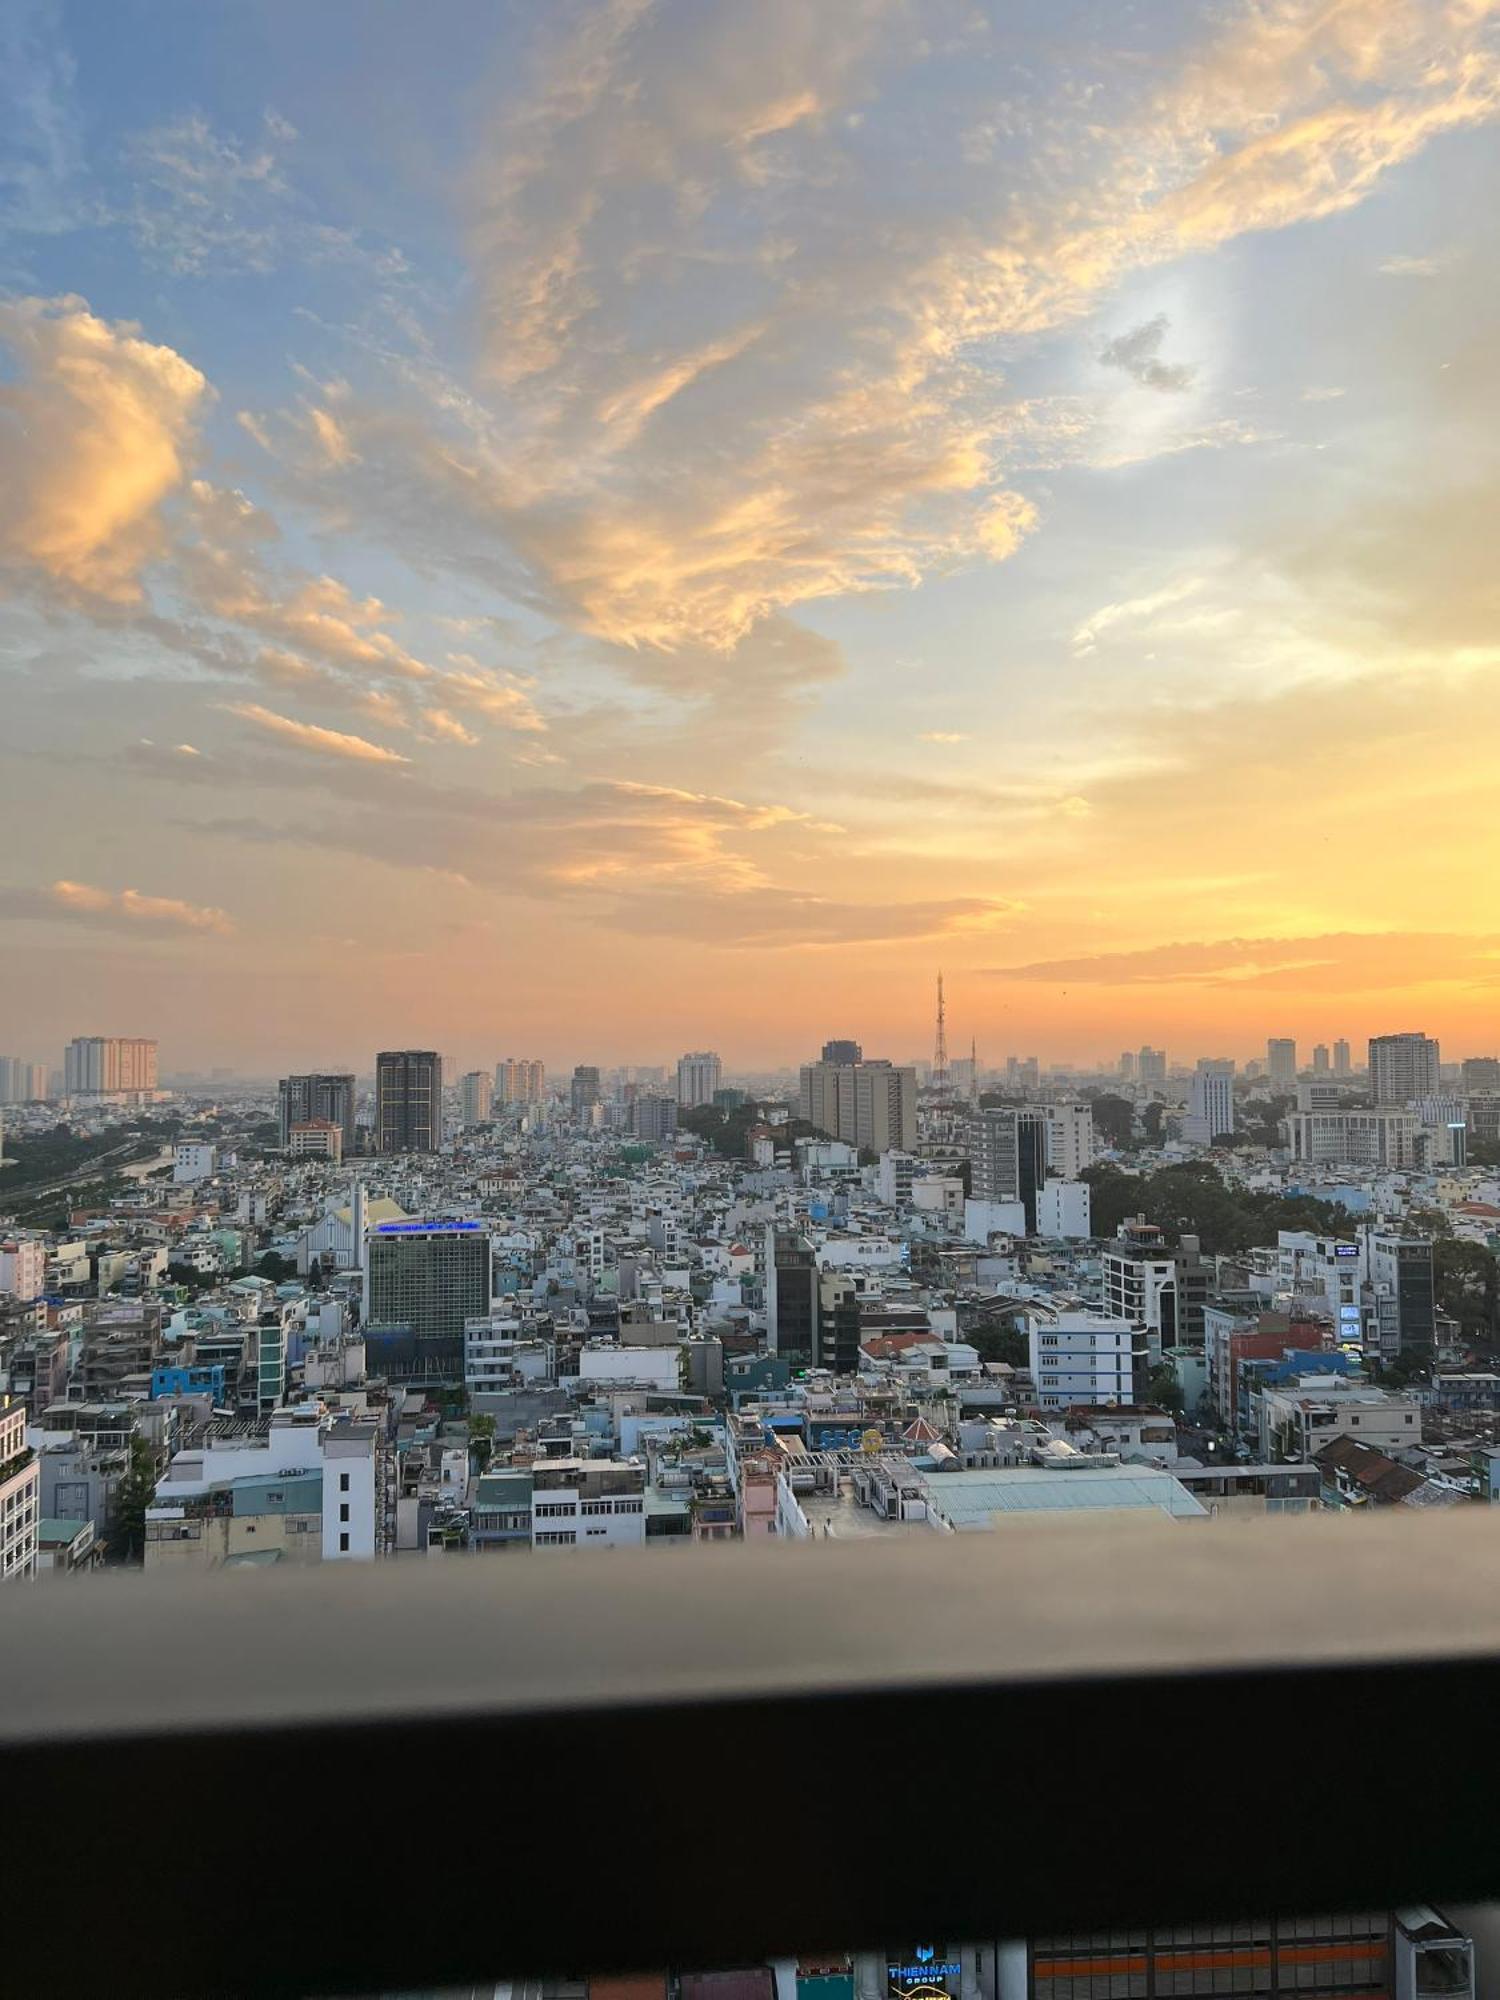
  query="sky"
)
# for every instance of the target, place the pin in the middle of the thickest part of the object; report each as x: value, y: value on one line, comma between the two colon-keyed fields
x: 630, y: 525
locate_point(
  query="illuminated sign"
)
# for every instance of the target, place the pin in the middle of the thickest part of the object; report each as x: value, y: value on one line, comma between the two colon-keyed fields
x: 922, y: 1972
x: 1346, y: 1249
x: 421, y: 1228
x: 1348, y: 1312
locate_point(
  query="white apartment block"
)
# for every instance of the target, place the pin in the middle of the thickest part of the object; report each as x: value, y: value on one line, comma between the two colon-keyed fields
x: 193, y: 1162
x: 1070, y: 1140
x: 1063, y: 1210
x: 1081, y: 1356
x: 20, y: 1504
x: 302, y: 1486
x: 588, y: 1504
x: 698, y: 1076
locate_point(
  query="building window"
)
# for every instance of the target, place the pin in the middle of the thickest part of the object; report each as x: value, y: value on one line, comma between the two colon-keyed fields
x: 343, y: 1545
x: 344, y: 1510
x: 343, y: 1482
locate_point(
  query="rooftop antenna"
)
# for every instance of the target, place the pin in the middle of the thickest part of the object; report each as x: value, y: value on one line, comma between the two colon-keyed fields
x: 940, y: 1047
x: 973, y: 1070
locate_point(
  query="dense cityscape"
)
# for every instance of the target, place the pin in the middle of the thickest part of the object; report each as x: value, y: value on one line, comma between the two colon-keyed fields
x: 750, y: 1125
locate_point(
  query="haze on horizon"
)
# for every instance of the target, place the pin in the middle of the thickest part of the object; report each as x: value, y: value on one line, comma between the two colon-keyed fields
x: 635, y: 524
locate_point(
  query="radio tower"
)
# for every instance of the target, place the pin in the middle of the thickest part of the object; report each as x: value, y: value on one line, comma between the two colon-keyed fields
x: 973, y: 1070
x: 940, y: 1047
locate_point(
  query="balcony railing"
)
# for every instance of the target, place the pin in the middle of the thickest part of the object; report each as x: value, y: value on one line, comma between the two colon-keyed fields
x: 1082, y: 1668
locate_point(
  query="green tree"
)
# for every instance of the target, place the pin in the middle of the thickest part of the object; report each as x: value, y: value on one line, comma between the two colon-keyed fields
x: 1114, y: 1119
x: 999, y: 1343
x: 1163, y: 1389
x: 1468, y: 1281
x: 133, y: 1495
x: 482, y: 1439
x: 277, y: 1268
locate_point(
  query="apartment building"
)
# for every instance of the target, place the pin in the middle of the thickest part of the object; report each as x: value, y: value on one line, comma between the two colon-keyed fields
x: 20, y: 1506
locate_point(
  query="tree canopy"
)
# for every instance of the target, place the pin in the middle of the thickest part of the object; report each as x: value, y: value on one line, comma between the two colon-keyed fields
x: 1192, y: 1200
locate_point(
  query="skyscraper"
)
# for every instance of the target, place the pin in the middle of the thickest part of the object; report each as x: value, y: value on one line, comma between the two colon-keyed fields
x: 1151, y: 1066
x: 1341, y: 1063
x: 1403, y: 1067
x: 1281, y: 1062
x: 424, y: 1280
x: 103, y: 1065
x: 583, y: 1091
x: 317, y: 1099
x: 475, y: 1094
x: 653, y: 1118
x: 1008, y: 1155
x: 1210, y: 1101
x: 1320, y: 1059
x: 698, y: 1077
x: 408, y: 1101
x: 523, y: 1082
x: 868, y: 1104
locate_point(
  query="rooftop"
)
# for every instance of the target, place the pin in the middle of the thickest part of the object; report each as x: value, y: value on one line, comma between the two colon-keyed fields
x: 974, y: 1499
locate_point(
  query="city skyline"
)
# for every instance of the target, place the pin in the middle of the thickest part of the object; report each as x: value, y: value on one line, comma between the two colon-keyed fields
x: 753, y: 498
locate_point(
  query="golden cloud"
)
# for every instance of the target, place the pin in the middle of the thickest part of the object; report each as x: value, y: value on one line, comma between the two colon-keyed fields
x: 98, y: 428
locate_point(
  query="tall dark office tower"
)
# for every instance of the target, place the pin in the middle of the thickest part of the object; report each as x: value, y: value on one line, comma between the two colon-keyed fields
x: 408, y: 1101
x: 842, y: 1052
x: 329, y: 1099
x: 1008, y: 1155
x: 583, y: 1090
x: 425, y: 1280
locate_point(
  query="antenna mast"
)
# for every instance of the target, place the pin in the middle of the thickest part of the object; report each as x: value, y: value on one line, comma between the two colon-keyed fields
x: 940, y: 1046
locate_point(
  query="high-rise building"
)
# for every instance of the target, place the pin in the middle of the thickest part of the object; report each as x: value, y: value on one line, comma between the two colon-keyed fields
x: 842, y: 1052
x: 20, y: 1503
x: 583, y: 1091
x: 1402, y: 1288
x: 698, y: 1077
x: 1403, y: 1067
x: 475, y: 1092
x: 424, y: 1280
x: 1341, y: 1063
x: 792, y: 1292
x: 1210, y: 1113
x: 1008, y: 1156
x: 23, y: 1082
x: 1070, y: 1140
x: 1385, y: 1137
x: 1151, y: 1067
x: 108, y: 1065
x: 872, y: 1105
x: 653, y: 1118
x: 523, y: 1082
x: 1320, y: 1059
x: 408, y: 1101
x: 1281, y: 1062
x: 1481, y: 1073
x: 318, y: 1099
x: 1125, y: 1066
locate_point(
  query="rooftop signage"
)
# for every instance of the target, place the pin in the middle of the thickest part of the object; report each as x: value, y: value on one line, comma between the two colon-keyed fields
x: 420, y: 1228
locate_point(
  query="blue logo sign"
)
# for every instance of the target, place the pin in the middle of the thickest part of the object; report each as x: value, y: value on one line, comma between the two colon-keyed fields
x: 421, y: 1228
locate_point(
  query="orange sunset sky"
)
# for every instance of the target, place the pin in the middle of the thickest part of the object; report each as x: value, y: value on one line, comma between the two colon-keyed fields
x: 641, y: 524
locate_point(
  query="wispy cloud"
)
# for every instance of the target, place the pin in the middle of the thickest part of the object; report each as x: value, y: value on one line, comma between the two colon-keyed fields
x: 1341, y: 962
x: 123, y: 909
x: 308, y: 736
